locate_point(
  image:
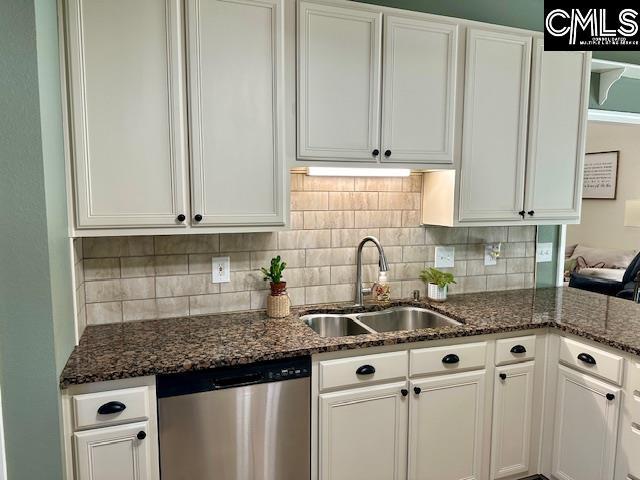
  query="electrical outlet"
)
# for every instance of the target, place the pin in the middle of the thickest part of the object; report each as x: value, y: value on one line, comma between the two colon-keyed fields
x: 445, y: 257
x: 544, y: 252
x: 220, y: 270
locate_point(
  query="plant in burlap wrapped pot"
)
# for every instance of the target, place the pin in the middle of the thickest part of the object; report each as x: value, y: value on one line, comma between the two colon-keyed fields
x: 278, y: 303
x: 437, y: 283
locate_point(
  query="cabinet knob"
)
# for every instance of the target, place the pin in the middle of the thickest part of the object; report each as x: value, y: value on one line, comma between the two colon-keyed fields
x: 503, y: 376
x: 141, y: 435
x: 197, y: 217
x: 531, y: 213
x: 522, y: 213
x: 387, y: 153
x: 417, y: 390
x: 376, y: 152
x: 404, y: 392
x: 518, y: 349
x: 181, y: 217
x: 611, y: 396
x: 111, y: 407
x: 366, y: 370
x: 586, y: 358
x: 451, y: 358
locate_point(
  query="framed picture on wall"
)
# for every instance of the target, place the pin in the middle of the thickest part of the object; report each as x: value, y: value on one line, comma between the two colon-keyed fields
x: 600, y: 175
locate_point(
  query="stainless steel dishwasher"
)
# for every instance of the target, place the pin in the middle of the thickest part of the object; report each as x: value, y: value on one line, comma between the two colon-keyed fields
x: 247, y: 422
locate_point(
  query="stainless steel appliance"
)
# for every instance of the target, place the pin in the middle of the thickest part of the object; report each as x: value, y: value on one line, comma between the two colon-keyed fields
x: 239, y: 423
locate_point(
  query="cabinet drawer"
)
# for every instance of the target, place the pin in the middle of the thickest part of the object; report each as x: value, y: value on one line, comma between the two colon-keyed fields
x: 591, y: 360
x: 512, y: 350
x: 117, y: 406
x: 355, y: 371
x: 448, y: 359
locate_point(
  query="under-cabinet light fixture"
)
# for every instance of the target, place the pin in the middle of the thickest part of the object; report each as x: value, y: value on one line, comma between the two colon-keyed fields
x: 357, y: 172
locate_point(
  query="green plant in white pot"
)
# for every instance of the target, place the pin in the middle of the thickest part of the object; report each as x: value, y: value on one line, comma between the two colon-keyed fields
x: 437, y: 283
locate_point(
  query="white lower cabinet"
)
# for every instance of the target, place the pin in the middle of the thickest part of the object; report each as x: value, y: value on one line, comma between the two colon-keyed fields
x: 586, y: 427
x: 512, y: 406
x: 122, y: 452
x: 446, y: 427
x: 363, y: 433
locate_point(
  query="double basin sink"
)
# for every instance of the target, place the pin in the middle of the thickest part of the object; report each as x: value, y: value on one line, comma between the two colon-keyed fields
x: 391, y: 320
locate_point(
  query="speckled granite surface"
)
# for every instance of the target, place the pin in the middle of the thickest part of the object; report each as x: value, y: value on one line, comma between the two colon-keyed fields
x: 114, y: 351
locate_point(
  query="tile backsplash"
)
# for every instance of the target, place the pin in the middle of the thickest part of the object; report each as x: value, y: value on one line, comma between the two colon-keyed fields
x: 135, y: 278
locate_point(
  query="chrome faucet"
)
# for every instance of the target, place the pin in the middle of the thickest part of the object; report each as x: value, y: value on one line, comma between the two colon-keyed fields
x: 384, y: 267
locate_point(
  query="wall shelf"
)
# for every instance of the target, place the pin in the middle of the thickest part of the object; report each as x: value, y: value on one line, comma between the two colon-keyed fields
x: 610, y: 72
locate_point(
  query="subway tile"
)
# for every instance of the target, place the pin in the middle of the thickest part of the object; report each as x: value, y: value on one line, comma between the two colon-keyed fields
x: 243, y: 281
x: 530, y: 249
x: 406, y: 271
x: 399, y: 201
x: 318, y: 257
x: 82, y: 320
x: 474, y: 284
x: 328, y: 184
x: 155, y: 308
x: 219, y: 303
x: 302, y: 277
x: 351, y: 237
x: 138, y: 266
x: 418, y: 253
x: 77, y: 250
x: 459, y: 268
x: 297, y: 180
x: 402, y: 236
x: 174, y: 244
x: 295, y: 239
x: 353, y: 200
x: 370, y: 254
x: 522, y: 234
x: 297, y: 221
x: 407, y: 288
x: 477, y: 267
x: 378, y: 184
x: 470, y: 251
x: 515, y: 281
x: 309, y: 200
x: 183, y: 285
x: 120, y: 289
x: 293, y: 258
x: 101, y: 313
x: 378, y: 218
x: 329, y: 294
x: 99, y: 247
x: 411, y: 218
x: 328, y: 219
x: 529, y: 280
x: 496, y: 282
x: 487, y: 234
x: 446, y: 235
x: 201, y: 262
x: 81, y: 299
x: 259, y: 298
x: 412, y: 183
x: 347, y: 273
x: 243, y: 242
x: 78, y: 269
x: 514, y: 250
x: 520, y: 265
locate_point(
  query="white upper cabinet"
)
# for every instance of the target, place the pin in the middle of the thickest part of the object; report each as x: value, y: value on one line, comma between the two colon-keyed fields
x: 339, y: 51
x: 494, y: 126
x: 236, y: 70
x: 419, y: 90
x: 557, y: 126
x: 125, y: 72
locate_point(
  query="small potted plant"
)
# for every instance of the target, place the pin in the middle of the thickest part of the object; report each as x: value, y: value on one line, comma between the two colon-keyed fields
x: 437, y: 283
x: 278, y: 303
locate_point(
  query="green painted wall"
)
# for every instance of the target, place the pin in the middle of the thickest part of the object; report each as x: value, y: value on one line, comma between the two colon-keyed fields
x: 546, y: 273
x: 36, y: 311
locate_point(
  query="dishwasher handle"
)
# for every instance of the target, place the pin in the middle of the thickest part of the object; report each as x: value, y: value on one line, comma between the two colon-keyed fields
x: 237, y: 380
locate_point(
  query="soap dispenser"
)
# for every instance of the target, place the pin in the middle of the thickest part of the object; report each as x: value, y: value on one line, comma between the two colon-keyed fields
x: 381, y: 289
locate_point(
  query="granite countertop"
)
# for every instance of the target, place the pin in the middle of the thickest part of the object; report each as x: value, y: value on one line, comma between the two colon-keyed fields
x: 115, y: 351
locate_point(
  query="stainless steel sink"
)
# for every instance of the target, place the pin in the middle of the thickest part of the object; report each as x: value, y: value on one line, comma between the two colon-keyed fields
x: 390, y: 320
x: 334, y: 325
x: 404, y: 318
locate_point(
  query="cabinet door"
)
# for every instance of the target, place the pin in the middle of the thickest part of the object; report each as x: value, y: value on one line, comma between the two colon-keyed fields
x: 127, y: 112
x: 557, y: 128
x: 446, y: 427
x: 420, y: 87
x: 338, y: 82
x: 363, y: 433
x: 114, y: 453
x: 586, y: 427
x: 512, y: 405
x: 495, y: 126
x: 236, y: 52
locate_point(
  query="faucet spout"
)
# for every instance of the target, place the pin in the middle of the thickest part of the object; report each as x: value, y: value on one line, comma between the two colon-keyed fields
x: 382, y: 261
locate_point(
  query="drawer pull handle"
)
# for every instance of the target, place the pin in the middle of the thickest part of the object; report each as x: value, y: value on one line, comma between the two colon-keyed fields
x: 141, y: 435
x: 451, y: 359
x: 610, y: 396
x: 503, y: 376
x: 366, y: 370
x: 404, y: 392
x: 518, y: 349
x: 111, y: 407
x: 586, y: 358
x: 417, y: 390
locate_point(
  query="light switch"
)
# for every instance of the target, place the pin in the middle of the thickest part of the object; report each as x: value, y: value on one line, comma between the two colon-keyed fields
x: 220, y: 270
x: 445, y: 257
x: 544, y: 252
